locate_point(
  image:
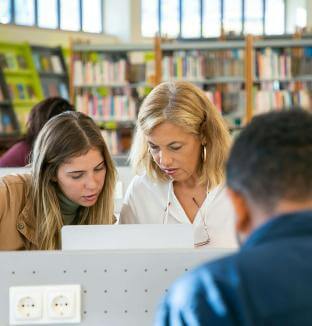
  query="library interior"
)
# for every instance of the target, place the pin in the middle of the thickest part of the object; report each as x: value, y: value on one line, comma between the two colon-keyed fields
x: 154, y: 162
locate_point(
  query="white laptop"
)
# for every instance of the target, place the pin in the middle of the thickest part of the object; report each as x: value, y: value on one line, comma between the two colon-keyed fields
x: 127, y: 236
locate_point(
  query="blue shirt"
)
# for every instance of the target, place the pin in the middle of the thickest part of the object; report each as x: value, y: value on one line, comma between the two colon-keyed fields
x: 268, y: 282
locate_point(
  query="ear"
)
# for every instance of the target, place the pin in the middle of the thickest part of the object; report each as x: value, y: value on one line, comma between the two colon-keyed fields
x: 243, y: 222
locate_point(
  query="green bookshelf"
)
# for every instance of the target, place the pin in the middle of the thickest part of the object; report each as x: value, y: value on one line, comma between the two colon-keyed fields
x: 21, y: 79
x: 52, y: 70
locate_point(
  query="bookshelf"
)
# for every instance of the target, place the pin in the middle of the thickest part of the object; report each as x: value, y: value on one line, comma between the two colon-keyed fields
x: 52, y: 70
x: 8, y: 123
x: 21, y: 80
x: 215, y: 66
x: 282, y: 70
x: 109, y: 82
x: 244, y: 77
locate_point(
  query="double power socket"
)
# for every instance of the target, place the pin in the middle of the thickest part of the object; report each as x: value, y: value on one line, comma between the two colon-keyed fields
x: 47, y: 304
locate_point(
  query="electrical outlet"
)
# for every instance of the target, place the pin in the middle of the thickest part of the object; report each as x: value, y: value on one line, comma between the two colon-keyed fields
x: 53, y: 304
x: 25, y: 305
x: 63, y: 303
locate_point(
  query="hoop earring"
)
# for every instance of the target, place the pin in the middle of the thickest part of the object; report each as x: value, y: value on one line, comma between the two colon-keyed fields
x: 204, y: 153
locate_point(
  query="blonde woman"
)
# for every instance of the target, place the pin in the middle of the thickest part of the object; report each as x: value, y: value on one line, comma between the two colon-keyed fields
x: 180, y: 148
x: 72, y: 181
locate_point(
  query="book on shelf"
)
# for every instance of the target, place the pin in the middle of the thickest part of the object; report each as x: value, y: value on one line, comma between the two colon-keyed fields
x: 111, y: 140
x: 45, y: 62
x: 118, y: 141
x: 200, y: 65
x: 6, y: 124
x: 101, y: 70
x: 107, y: 108
x: 150, y: 68
x: 141, y: 67
x: 56, y: 64
x: 30, y: 92
x: 2, y: 98
x: 229, y: 101
x: 21, y: 91
x: 282, y: 63
x: 63, y: 91
x: 36, y: 59
x: 50, y: 63
x: 273, y: 63
x: 21, y: 61
x: 54, y: 88
x: 3, y: 61
x: 13, y: 61
x: 268, y: 100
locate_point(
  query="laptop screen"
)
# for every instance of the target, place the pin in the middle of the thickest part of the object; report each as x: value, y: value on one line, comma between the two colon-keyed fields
x: 127, y: 236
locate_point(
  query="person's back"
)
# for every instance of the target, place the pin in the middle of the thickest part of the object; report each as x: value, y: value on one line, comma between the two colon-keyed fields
x: 268, y: 282
x: 17, y: 155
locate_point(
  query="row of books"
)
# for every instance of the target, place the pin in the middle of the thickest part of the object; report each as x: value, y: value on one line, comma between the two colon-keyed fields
x: 200, y: 65
x: 107, y: 108
x: 268, y: 100
x: 118, y: 141
x: 21, y: 91
x: 227, y: 102
x: 111, y: 140
x: 55, y: 88
x: 6, y: 124
x: 100, y: 73
x: 271, y: 63
x: 48, y: 63
x: 282, y: 63
x: 100, y: 69
x: 302, y: 66
x: 12, y: 61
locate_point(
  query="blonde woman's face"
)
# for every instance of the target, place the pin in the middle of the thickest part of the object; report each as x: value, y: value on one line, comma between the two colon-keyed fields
x: 81, y: 178
x: 175, y: 151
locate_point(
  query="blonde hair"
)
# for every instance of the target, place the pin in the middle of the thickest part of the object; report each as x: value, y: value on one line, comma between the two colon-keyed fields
x: 187, y: 106
x: 67, y: 135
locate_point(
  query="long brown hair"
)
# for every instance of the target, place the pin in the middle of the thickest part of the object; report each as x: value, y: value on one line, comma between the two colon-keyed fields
x: 65, y: 136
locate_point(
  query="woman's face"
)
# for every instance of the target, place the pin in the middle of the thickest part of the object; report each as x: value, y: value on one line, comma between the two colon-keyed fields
x: 175, y: 151
x: 81, y: 178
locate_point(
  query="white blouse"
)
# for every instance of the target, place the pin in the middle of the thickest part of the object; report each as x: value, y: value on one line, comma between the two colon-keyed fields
x: 147, y: 202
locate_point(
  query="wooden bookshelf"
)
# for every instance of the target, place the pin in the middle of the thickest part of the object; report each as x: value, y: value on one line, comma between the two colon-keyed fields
x: 109, y: 82
x: 227, y: 70
x: 294, y: 86
x: 283, y: 74
x: 215, y: 66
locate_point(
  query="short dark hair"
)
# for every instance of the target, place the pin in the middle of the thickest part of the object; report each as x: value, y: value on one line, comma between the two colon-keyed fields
x: 272, y: 159
x: 42, y: 112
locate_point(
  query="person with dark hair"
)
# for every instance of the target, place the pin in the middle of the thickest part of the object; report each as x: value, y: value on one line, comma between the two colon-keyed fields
x: 268, y: 282
x: 19, y: 154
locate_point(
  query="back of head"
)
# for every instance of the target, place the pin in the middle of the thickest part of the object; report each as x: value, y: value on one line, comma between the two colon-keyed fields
x: 271, y: 160
x: 187, y: 106
x: 42, y: 112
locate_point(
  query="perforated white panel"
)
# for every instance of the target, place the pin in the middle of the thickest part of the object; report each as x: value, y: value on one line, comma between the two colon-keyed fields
x: 118, y: 287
